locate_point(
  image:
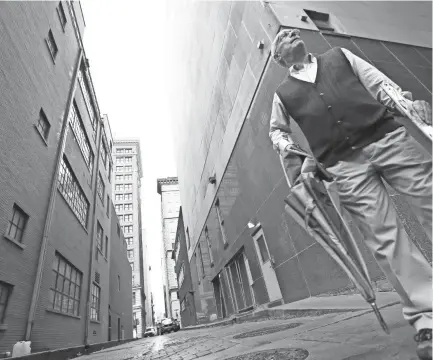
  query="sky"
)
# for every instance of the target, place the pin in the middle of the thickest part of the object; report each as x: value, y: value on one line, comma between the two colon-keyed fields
x: 123, y: 41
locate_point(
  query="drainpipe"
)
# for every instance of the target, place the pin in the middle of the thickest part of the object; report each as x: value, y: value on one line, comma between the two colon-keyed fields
x: 92, y: 238
x: 53, y: 193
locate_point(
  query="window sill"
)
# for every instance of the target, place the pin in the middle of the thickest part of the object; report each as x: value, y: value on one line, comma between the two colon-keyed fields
x: 40, y: 134
x: 63, y: 314
x: 327, y: 32
x: 20, y: 245
x: 95, y: 321
x: 3, y: 327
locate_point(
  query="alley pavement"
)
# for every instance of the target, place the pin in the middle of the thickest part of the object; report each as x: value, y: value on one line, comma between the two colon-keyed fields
x: 351, y: 335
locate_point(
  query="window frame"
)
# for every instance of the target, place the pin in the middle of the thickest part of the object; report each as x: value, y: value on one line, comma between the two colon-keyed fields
x: 100, y: 187
x: 61, y: 11
x: 24, y: 217
x: 95, y: 307
x: 51, y: 41
x: 9, y: 288
x: 44, y: 132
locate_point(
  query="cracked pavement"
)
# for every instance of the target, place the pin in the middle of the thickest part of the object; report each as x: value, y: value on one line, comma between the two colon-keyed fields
x: 341, y: 336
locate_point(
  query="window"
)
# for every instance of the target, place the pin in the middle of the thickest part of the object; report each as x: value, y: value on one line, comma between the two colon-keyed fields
x: 118, y: 282
x: 134, y: 298
x: 128, y: 151
x: 128, y: 168
x: 127, y: 196
x: 128, y: 186
x: 118, y: 207
x: 72, y: 192
x: 95, y: 302
x: 119, y: 168
x: 221, y: 222
x: 80, y: 135
x: 119, y: 160
x: 206, y: 235
x: 127, y: 229
x: 62, y: 15
x: 85, y: 89
x: 118, y: 187
x: 5, y: 293
x: 100, y: 188
x: 130, y: 254
x: 104, y: 154
x: 128, y: 177
x: 108, y: 206
x: 17, y: 224
x: 43, y: 125
x: 182, y: 305
x: 120, y: 217
x: 119, y: 177
x: 99, y: 236
x: 201, y: 260
x: 65, y: 289
x: 128, y: 217
x: 323, y: 21
x: 106, y: 247
x: 129, y: 241
x: 128, y: 207
x: 119, y: 151
x: 197, y: 267
x: 263, y: 249
x: 188, y: 239
x: 52, y: 46
x: 181, y: 276
x: 128, y: 160
x: 118, y: 197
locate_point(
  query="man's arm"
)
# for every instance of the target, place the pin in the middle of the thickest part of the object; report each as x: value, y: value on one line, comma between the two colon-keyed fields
x: 279, y: 129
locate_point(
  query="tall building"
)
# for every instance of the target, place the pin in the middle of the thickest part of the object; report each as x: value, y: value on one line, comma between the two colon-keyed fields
x: 56, y: 218
x: 168, y: 188
x: 128, y: 172
x: 229, y: 174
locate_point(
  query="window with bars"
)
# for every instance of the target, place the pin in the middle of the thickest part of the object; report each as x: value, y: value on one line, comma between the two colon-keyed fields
x: 72, y: 192
x: 99, y: 236
x: 100, y: 188
x: 43, y: 125
x: 130, y: 253
x: 80, y: 135
x: 85, y: 89
x: 104, y: 152
x: 62, y: 15
x: 65, y: 289
x: 95, y: 303
x: 52, y: 46
x: 209, y: 246
x: 17, y: 224
x: 128, y: 217
x: 5, y: 293
x: 118, y: 207
x: 221, y: 223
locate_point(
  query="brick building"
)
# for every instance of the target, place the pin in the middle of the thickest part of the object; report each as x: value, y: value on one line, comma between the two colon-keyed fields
x: 55, y: 181
x: 127, y: 201
x: 168, y: 188
x: 230, y: 176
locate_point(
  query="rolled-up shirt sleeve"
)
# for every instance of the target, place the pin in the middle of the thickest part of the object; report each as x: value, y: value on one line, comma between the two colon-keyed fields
x: 371, y: 78
x: 279, y: 130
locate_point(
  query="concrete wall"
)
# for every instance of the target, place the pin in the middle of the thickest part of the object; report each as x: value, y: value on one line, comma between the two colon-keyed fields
x: 223, y: 125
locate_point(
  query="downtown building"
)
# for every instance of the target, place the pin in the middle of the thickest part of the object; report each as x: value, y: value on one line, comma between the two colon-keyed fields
x: 128, y: 172
x: 168, y: 188
x: 240, y: 242
x: 60, y: 285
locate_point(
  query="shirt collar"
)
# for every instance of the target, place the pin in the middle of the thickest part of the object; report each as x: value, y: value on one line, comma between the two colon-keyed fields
x: 311, y: 58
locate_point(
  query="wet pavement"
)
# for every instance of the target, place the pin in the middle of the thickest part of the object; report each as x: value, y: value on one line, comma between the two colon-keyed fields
x: 354, y: 335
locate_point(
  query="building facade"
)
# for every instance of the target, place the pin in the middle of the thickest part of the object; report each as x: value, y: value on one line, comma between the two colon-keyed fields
x: 229, y: 174
x: 168, y: 188
x: 128, y: 172
x: 55, y: 184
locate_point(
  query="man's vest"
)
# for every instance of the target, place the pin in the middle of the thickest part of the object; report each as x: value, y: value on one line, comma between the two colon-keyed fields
x: 336, y: 113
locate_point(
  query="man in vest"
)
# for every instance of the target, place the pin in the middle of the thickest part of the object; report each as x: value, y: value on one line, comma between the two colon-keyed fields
x: 336, y: 100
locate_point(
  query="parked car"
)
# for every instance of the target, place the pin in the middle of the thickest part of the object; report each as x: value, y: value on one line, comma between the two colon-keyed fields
x: 150, y: 331
x: 176, y: 325
x: 167, y: 326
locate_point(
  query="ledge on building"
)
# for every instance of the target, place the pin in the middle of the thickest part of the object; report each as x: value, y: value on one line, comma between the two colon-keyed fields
x: 17, y: 243
x: 62, y: 313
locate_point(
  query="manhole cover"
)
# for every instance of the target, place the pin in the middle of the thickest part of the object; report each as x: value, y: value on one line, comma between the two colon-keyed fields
x: 274, y: 354
x: 267, y: 330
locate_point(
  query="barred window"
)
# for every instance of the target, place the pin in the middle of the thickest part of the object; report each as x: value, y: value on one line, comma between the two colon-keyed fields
x: 128, y: 217
x: 82, y: 79
x: 43, y: 125
x: 65, y: 289
x: 100, y: 187
x: 80, y: 135
x: 99, y: 236
x: 52, y: 46
x: 72, y: 192
x: 17, y: 224
x: 95, y: 302
x: 5, y: 293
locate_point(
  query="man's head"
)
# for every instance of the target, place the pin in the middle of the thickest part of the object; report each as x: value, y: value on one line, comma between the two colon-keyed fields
x: 288, y: 49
